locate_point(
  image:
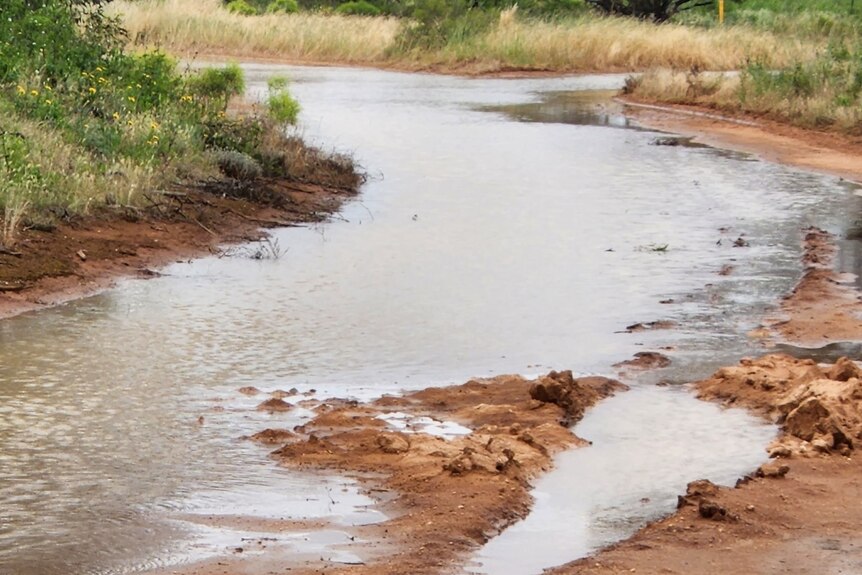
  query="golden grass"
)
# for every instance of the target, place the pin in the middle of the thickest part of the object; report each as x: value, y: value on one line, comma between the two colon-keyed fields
x: 188, y: 27
x: 613, y: 44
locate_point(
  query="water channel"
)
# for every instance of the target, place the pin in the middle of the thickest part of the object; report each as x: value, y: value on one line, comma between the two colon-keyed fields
x: 509, y: 226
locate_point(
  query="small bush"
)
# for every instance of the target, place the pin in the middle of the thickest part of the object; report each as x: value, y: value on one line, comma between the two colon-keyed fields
x: 241, y: 7
x: 282, y: 107
x: 282, y: 7
x: 358, y: 8
x: 241, y: 134
x: 238, y: 165
x: 216, y: 86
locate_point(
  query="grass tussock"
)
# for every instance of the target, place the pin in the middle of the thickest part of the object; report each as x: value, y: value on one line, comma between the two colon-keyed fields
x: 188, y: 27
x: 482, y: 43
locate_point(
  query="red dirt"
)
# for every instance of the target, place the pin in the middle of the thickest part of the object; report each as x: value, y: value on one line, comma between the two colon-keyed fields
x: 448, y: 496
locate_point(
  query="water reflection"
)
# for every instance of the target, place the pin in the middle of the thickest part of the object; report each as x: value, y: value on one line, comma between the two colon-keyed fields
x: 578, y: 108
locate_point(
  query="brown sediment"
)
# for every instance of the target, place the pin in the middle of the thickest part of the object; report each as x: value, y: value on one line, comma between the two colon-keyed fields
x: 795, y: 514
x: 823, y: 307
x: 83, y: 255
x: 447, y: 496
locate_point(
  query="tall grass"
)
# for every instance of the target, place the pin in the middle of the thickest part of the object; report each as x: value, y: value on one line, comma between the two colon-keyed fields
x: 189, y: 27
x: 614, y: 44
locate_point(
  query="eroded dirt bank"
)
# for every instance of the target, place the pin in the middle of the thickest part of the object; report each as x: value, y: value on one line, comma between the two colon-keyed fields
x: 824, y: 307
x: 797, y: 513
x: 82, y: 255
x: 823, y: 152
x: 446, y: 496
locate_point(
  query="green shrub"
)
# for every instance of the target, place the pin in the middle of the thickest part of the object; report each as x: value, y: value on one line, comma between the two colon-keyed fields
x: 358, y: 8
x: 281, y: 106
x: 241, y: 7
x: 441, y: 22
x: 214, y: 87
x: 282, y: 7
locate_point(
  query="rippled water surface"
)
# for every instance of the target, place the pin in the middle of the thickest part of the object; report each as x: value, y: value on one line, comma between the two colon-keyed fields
x: 508, y: 226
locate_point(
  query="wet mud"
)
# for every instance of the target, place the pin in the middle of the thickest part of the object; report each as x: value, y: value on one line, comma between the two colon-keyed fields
x: 445, y: 494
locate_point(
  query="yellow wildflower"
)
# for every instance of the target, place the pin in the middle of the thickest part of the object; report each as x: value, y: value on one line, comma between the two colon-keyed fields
x: 99, y: 69
x: 131, y: 99
x: 101, y: 80
x: 116, y: 115
x: 92, y: 90
x: 34, y: 92
x: 49, y: 102
x: 49, y: 88
x: 154, y: 125
x: 21, y: 90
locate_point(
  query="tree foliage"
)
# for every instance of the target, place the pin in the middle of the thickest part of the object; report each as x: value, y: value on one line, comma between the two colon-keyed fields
x: 658, y: 10
x: 55, y: 37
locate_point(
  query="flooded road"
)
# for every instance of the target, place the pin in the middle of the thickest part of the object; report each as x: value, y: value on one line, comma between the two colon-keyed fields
x: 509, y: 226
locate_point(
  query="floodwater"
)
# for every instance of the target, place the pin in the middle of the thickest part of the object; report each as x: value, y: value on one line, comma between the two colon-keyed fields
x: 508, y: 226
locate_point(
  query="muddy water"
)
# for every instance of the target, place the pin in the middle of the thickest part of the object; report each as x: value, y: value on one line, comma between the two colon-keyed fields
x: 509, y: 226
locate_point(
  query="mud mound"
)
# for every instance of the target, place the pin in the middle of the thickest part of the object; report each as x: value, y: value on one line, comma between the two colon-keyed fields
x: 273, y: 405
x: 273, y: 436
x: 573, y: 395
x: 818, y: 407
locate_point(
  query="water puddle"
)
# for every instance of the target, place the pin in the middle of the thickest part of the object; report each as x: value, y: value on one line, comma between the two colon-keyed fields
x: 505, y: 227
x: 630, y: 475
x: 578, y: 108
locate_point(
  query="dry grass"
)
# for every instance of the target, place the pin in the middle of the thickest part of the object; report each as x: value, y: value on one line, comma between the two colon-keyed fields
x: 606, y: 44
x: 676, y: 87
x: 188, y: 27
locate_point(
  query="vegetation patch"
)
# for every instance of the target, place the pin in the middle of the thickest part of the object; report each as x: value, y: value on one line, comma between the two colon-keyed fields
x: 84, y: 125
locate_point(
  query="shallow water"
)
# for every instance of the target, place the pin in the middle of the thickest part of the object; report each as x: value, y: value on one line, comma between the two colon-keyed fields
x: 490, y: 239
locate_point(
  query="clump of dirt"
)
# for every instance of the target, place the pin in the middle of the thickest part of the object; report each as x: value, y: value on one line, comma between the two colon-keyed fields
x: 273, y: 436
x: 573, y: 395
x: 274, y: 404
x: 818, y: 408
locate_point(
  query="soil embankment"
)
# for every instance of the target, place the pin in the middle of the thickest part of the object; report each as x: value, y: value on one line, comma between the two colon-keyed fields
x: 82, y: 255
x: 825, y: 152
x: 447, y: 495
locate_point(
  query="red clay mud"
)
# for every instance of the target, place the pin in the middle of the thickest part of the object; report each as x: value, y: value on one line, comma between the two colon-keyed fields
x: 447, y: 496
